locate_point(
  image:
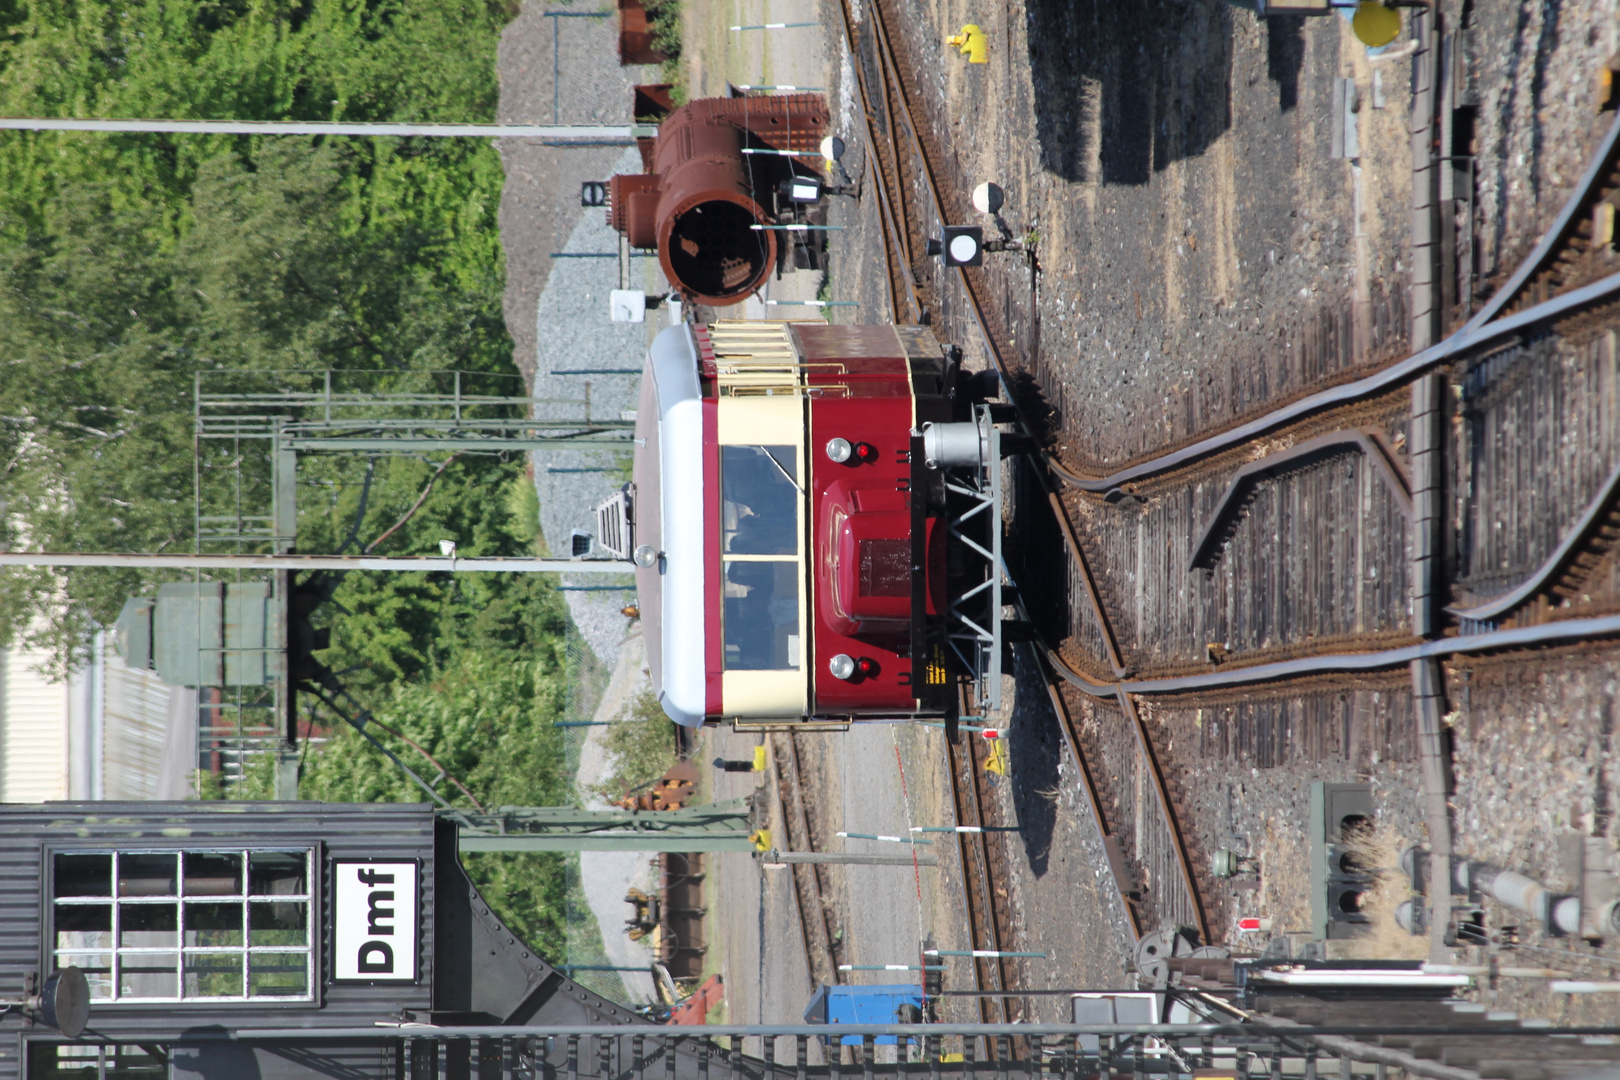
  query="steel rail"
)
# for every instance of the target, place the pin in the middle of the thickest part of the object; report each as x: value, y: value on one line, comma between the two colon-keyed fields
x: 977, y: 885
x: 888, y: 220
x: 1519, y: 637
x: 1099, y: 611
x: 1161, y: 792
x: 1212, y: 541
x: 1110, y: 843
x: 814, y: 927
x: 1596, y: 511
x: 1469, y: 337
x: 1481, y: 328
x: 1556, y: 232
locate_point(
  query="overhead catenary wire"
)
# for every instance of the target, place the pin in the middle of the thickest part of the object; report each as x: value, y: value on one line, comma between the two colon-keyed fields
x: 598, y: 134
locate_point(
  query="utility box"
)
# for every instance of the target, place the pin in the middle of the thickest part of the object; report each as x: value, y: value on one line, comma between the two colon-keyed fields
x: 206, y: 633
x: 1339, y: 881
x: 884, y: 1003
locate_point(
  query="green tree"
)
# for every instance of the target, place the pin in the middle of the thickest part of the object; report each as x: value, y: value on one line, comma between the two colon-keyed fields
x: 127, y: 263
x: 487, y: 720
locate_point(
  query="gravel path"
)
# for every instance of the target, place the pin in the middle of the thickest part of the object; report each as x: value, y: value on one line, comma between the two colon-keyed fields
x: 557, y: 309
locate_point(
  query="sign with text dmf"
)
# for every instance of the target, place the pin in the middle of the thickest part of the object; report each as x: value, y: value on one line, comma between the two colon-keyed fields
x: 376, y: 920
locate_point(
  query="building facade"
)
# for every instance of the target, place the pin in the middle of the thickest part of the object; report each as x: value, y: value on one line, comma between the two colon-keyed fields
x: 196, y: 921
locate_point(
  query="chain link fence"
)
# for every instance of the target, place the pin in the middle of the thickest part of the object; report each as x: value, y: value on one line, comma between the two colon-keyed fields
x: 586, y: 959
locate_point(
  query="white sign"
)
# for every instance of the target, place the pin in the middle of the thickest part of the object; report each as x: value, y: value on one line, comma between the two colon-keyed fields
x: 627, y: 305
x: 376, y: 928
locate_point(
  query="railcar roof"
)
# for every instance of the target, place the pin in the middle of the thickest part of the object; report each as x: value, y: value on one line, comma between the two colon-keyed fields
x: 668, y: 473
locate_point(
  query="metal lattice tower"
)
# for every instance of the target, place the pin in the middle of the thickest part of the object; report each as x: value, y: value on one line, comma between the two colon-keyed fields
x: 249, y: 429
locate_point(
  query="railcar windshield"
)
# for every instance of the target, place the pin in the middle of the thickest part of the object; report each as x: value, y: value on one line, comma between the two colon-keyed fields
x: 760, y: 495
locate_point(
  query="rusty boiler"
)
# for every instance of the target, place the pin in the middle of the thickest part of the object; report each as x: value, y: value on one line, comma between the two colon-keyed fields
x: 701, y: 195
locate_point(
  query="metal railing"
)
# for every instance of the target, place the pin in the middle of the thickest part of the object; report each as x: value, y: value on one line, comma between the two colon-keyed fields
x: 910, y: 1051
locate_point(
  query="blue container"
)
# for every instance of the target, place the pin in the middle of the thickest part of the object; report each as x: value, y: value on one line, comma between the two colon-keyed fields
x: 876, y: 1004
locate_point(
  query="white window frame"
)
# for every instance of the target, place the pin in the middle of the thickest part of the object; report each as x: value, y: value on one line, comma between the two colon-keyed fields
x: 246, y: 951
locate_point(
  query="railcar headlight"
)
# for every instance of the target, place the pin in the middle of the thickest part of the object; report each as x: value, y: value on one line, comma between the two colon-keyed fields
x: 842, y: 666
x: 646, y: 556
x: 839, y: 450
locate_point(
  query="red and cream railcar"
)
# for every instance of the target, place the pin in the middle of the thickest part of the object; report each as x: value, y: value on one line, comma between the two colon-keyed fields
x: 815, y: 519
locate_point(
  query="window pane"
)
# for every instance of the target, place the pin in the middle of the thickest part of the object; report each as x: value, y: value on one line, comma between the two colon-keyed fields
x: 214, y: 974
x: 278, y: 975
x: 147, y: 926
x: 277, y: 873
x: 146, y: 875
x: 760, y: 501
x: 83, y: 875
x: 210, y: 874
x: 97, y: 968
x: 280, y: 924
x: 84, y: 926
x: 148, y: 975
x: 47, y: 1061
x: 134, y: 1063
x: 214, y: 924
x: 762, y: 616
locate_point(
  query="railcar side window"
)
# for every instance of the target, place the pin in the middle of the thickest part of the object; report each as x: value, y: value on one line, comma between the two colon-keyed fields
x: 759, y: 490
x: 760, y: 497
x: 185, y: 925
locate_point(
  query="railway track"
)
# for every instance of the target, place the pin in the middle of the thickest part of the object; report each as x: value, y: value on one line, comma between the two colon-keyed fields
x: 984, y: 862
x: 1207, y: 638
x: 822, y: 942
x: 983, y: 865
x: 910, y: 203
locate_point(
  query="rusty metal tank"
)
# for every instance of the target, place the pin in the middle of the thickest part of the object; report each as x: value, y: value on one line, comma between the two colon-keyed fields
x: 701, y: 195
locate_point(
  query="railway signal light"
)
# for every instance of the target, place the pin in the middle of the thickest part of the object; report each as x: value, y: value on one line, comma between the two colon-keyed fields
x: 802, y: 189
x: 988, y: 198
x: 959, y: 245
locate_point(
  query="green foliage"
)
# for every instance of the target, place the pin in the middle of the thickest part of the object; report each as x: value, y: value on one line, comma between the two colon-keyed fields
x: 642, y: 746
x: 664, y: 21
x: 130, y: 262
x: 405, y: 625
x: 487, y: 719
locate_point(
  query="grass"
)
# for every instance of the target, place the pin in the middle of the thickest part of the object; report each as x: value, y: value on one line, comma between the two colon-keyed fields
x: 1382, y: 938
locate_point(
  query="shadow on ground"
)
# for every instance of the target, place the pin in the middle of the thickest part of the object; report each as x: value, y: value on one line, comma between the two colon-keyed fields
x: 1153, y: 79
x: 1034, y: 749
x: 1036, y: 560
